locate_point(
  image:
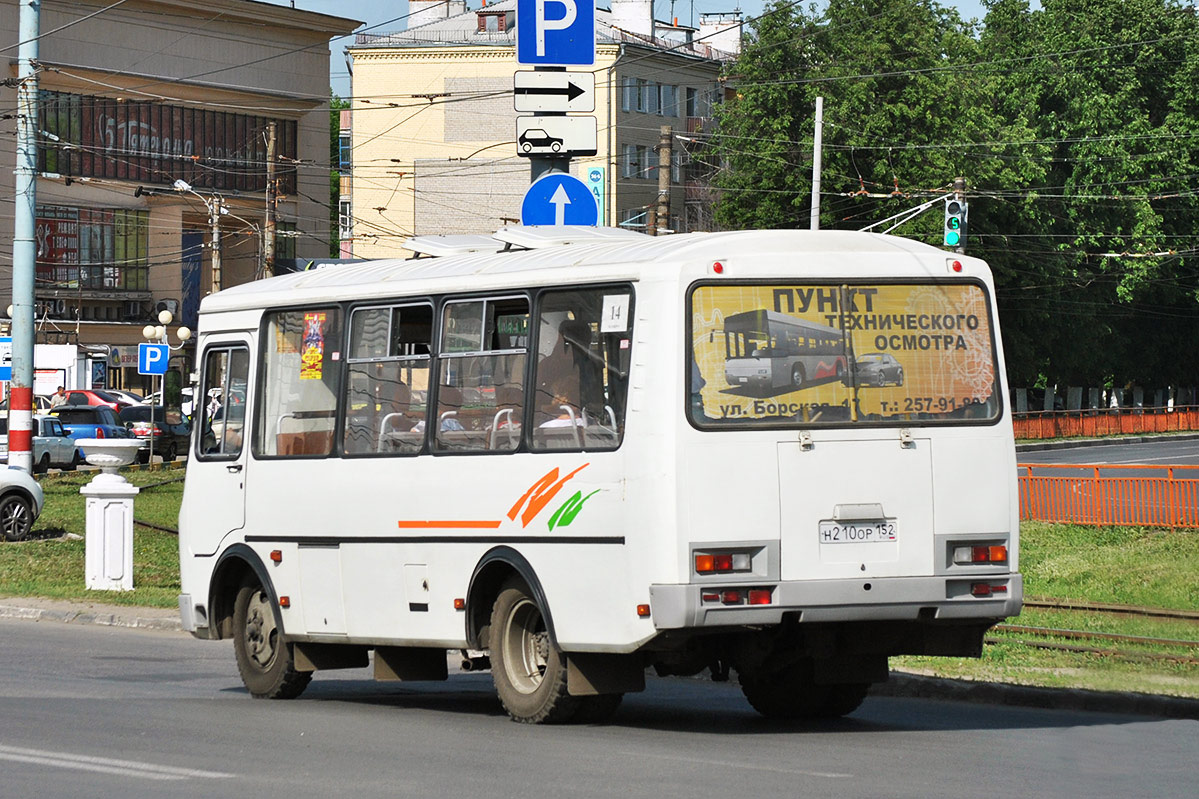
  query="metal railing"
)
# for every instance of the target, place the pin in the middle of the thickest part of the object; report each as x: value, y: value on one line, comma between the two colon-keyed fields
x: 1090, y: 494
x: 1092, y: 423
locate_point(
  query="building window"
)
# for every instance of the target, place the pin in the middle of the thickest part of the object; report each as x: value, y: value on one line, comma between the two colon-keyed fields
x: 669, y: 106
x: 150, y: 142
x: 692, y: 102
x: 345, y: 218
x: 642, y: 90
x: 345, y: 152
x: 629, y: 166
x: 628, y: 99
x: 651, y: 98
x: 86, y: 248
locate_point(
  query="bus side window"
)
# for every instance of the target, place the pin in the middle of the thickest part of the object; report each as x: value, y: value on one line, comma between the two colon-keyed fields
x: 581, y: 377
x: 480, y: 393
x: 297, y: 405
x: 221, y: 405
x: 387, y: 380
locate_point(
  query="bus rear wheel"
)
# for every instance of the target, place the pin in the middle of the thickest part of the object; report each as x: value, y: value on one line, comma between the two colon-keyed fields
x: 264, y: 660
x: 528, y: 670
x: 797, y: 376
x: 794, y: 694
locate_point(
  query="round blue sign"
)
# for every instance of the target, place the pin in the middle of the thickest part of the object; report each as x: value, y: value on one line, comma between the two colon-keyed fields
x: 559, y: 199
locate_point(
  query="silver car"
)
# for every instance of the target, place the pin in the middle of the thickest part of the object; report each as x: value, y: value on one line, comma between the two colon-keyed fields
x: 21, y: 501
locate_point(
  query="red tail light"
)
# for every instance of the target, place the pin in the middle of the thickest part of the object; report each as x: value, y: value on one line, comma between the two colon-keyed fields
x: 99, y: 432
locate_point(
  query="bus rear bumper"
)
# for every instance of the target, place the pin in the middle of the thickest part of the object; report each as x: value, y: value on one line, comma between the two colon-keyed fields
x: 924, y: 599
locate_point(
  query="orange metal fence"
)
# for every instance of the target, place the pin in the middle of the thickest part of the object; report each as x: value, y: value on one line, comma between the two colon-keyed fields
x: 1061, y: 424
x: 1153, y: 496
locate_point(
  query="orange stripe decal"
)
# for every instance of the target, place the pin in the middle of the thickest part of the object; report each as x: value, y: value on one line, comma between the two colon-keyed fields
x: 449, y: 525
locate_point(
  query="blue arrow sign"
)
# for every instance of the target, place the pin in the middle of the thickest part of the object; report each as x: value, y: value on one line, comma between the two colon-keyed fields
x: 555, y: 32
x: 152, y: 359
x: 559, y: 199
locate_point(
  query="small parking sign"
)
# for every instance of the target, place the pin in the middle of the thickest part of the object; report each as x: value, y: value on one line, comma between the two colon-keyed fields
x: 152, y: 359
x: 555, y: 32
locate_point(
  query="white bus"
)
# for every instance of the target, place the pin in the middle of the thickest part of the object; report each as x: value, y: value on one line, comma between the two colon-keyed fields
x: 534, y: 457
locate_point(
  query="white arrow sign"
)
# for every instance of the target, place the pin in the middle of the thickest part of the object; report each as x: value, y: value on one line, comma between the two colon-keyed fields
x: 553, y: 91
x: 560, y: 200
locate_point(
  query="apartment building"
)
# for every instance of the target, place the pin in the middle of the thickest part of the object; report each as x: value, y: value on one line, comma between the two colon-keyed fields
x: 153, y: 126
x: 433, y: 128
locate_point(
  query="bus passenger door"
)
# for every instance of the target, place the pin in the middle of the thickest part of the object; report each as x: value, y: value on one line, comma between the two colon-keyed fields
x: 216, y: 476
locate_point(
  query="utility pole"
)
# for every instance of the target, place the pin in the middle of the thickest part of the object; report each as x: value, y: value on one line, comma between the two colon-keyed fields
x: 24, y: 241
x: 817, y: 144
x: 214, y: 219
x: 268, y: 227
x: 666, y: 136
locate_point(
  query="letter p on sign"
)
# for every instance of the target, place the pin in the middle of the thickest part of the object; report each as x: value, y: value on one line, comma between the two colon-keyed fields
x: 152, y: 359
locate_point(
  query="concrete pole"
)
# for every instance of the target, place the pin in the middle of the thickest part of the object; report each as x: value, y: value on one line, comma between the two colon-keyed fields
x: 24, y: 243
x: 665, y: 138
x: 268, y: 226
x: 214, y: 218
x: 817, y: 144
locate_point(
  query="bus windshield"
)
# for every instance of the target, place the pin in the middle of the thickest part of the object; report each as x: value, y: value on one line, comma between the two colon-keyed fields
x: 837, y: 354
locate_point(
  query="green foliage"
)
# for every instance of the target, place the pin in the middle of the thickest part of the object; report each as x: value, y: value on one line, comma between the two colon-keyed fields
x: 1076, y: 125
x: 336, y: 106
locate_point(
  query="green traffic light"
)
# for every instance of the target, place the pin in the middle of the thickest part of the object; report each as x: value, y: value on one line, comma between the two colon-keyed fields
x: 952, y: 237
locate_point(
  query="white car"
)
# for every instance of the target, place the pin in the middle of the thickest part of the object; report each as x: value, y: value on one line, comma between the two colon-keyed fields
x: 52, y: 444
x: 21, y: 500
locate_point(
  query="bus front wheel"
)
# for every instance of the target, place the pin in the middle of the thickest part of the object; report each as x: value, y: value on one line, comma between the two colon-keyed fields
x: 528, y: 670
x: 264, y: 660
x: 797, y: 376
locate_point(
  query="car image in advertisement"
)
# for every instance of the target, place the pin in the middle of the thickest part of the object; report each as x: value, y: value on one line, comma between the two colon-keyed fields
x: 835, y: 354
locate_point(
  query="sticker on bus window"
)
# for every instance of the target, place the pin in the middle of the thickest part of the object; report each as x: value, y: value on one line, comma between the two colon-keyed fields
x: 312, y: 346
x: 829, y: 354
x: 615, y: 317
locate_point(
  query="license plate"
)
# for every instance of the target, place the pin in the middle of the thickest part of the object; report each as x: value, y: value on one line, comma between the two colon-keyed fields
x: 857, y: 532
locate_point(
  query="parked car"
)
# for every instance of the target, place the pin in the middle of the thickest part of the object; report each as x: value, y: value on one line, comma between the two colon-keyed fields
x: 52, y: 444
x: 41, y: 404
x: 91, y: 421
x: 186, y: 404
x: 21, y: 500
x: 95, y: 397
x: 125, y: 397
x: 878, y: 369
x: 537, y: 137
x: 169, y: 429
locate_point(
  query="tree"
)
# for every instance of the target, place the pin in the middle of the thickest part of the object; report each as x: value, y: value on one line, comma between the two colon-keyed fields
x: 336, y: 105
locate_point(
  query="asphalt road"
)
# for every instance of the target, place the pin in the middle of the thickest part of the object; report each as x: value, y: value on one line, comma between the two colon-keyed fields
x: 92, y: 711
x: 1165, y: 450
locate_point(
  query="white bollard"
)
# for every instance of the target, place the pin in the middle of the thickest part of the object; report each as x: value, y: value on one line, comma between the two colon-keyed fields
x: 108, y: 548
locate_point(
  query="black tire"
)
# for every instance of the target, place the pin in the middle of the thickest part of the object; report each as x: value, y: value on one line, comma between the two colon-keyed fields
x: 797, y: 376
x: 528, y: 670
x: 899, y: 377
x: 75, y: 461
x: 264, y: 660
x: 16, y: 517
x: 526, y: 146
x: 880, y: 379
x: 170, y: 453
x: 793, y: 694
x: 556, y: 146
x: 43, y: 465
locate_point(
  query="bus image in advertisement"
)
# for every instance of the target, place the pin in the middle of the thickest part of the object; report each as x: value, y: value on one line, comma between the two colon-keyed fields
x: 770, y: 353
x: 860, y: 353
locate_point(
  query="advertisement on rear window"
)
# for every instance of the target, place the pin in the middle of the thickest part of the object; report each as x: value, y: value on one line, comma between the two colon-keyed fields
x: 836, y: 354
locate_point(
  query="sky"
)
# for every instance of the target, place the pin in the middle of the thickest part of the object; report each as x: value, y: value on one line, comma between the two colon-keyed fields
x: 376, y: 12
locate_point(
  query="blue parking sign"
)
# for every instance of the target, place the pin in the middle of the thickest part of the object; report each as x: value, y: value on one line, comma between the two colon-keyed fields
x: 152, y: 359
x: 557, y: 32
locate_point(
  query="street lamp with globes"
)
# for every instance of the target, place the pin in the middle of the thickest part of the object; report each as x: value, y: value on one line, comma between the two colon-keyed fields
x: 158, y: 334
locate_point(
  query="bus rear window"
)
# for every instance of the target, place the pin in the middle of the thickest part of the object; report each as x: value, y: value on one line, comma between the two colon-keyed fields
x: 841, y: 354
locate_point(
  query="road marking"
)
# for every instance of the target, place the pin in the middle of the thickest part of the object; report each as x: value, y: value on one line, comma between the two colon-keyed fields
x: 834, y: 775
x: 105, y: 765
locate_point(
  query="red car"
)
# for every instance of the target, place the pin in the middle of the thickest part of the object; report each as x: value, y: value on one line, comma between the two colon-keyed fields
x: 95, y: 397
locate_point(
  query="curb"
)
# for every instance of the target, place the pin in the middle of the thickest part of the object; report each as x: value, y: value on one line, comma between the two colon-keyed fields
x: 106, y: 617
x: 1099, y: 442
x: 899, y: 685
x: 902, y: 684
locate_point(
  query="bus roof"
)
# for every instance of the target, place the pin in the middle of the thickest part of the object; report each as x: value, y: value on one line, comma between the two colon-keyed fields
x: 757, y: 321
x: 587, y: 262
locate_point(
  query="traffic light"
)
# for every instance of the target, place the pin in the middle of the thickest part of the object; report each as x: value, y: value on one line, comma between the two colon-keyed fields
x: 955, y: 222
